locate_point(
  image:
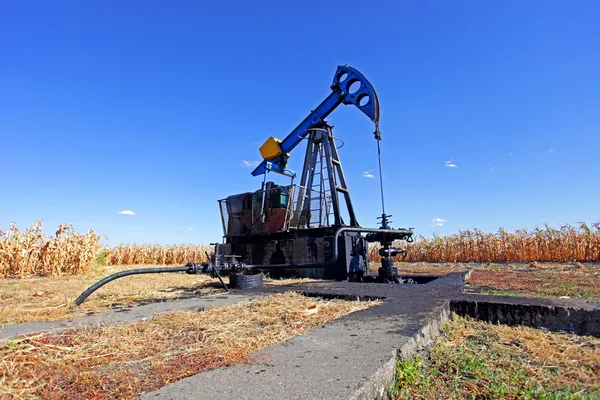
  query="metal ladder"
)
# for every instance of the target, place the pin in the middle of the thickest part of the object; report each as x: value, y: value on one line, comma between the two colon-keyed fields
x: 322, y: 163
x: 322, y: 187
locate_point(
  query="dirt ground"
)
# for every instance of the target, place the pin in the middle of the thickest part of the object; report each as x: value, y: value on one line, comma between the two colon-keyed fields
x: 573, y: 280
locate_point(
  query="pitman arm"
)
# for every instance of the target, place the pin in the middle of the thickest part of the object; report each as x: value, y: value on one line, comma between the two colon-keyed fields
x: 363, y: 97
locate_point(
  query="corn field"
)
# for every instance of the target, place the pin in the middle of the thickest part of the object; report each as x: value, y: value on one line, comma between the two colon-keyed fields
x: 567, y: 244
x: 132, y: 254
x: 32, y: 253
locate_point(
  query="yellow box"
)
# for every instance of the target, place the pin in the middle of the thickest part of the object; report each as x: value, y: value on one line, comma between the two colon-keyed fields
x: 270, y: 149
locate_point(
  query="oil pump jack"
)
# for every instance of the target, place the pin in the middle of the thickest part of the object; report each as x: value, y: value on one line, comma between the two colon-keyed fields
x: 300, y: 229
x: 310, y: 229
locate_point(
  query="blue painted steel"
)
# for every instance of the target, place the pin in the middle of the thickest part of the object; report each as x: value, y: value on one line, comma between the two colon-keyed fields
x: 345, y: 80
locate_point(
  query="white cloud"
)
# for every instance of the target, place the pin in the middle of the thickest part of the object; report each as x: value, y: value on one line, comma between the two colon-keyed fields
x: 451, y: 164
x: 511, y: 154
x: 368, y: 174
x: 249, y: 164
x: 493, y: 168
x: 126, y: 212
x: 550, y: 150
x: 438, y: 222
x: 189, y: 228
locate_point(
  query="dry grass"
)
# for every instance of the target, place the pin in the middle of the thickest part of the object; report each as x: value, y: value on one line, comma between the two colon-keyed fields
x: 569, y: 243
x: 289, y: 281
x: 51, y: 298
x: 124, y: 361
x: 474, y: 359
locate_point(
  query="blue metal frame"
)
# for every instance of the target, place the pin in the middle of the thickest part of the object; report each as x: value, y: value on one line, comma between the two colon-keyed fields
x: 363, y: 96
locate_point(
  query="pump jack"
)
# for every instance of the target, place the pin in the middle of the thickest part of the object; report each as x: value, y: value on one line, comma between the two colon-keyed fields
x: 299, y: 230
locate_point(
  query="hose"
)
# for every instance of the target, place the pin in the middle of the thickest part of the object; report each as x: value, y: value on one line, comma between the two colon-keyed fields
x: 121, y: 274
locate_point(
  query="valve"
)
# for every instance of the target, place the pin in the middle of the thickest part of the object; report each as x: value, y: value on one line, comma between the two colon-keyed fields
x: 392, y: 252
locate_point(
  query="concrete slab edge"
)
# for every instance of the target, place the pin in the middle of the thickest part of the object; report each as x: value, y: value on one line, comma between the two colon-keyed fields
x: 579, y: 320
x: 376, y: 387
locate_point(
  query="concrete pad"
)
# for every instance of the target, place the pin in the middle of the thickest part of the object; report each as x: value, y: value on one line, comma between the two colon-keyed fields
x: 350, y: 358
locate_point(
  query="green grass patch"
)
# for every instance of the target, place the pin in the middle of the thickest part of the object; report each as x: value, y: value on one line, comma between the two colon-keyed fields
x: 496, y: 292
x: 552, y: 285
x: 478, y: 360
x: 101, y: 260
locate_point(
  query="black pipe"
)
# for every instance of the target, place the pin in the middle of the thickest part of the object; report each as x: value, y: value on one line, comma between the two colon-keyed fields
x: 121, y: 274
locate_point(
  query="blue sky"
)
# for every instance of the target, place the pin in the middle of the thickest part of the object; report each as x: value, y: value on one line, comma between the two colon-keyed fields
x: 489, y: 110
